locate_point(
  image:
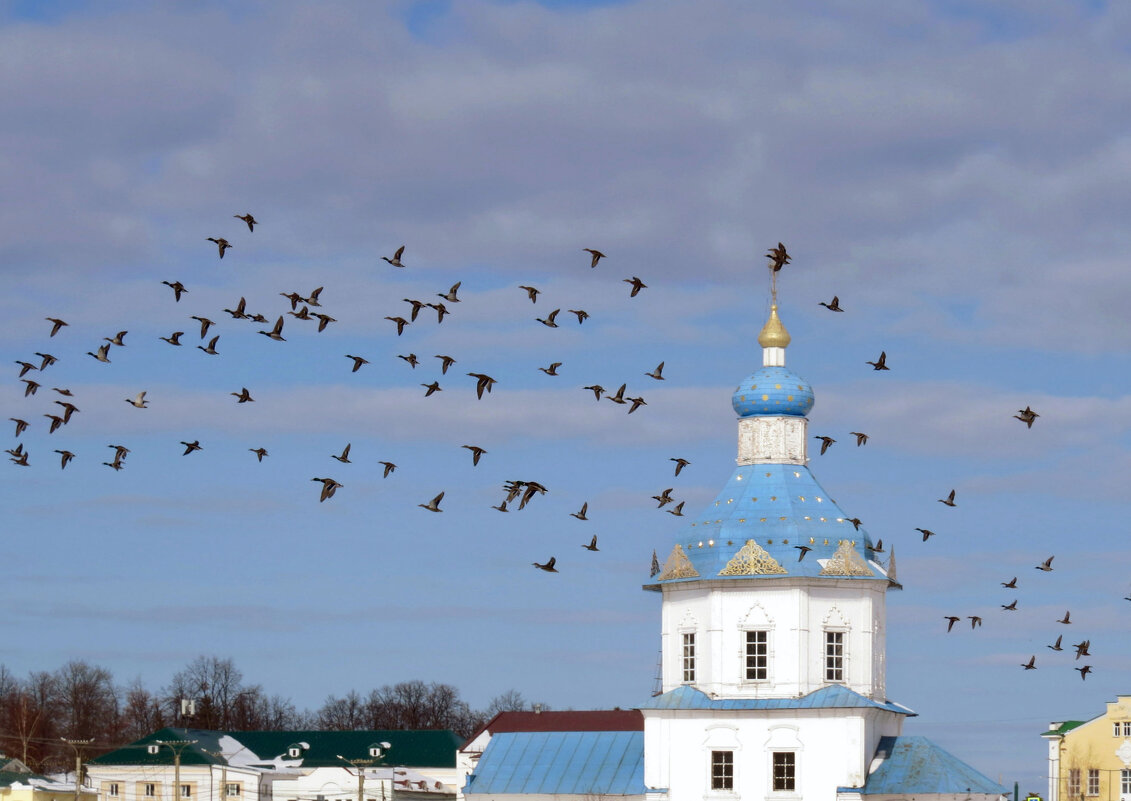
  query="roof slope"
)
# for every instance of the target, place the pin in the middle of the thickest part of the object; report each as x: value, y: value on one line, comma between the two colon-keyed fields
x: 568, y: 763
x: 432, y: 748
x: 916, y: 765
x: 834, y: 696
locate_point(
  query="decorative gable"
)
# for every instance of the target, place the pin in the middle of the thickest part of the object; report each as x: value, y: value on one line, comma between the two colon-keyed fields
x: 846, y: 562
x: 752, y: 560
x: 678, y: 566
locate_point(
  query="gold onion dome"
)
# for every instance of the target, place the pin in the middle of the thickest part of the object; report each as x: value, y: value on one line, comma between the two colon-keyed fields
x: 773, y: 333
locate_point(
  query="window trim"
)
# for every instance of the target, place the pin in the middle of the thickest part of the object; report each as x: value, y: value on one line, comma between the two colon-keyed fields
x: 840, y: 665
x: 1073, y: 781
x: 1093, y: 788
x: 1127, y: 728
x: 687, y: 657
x: 238, y: 790
x: 113, y: 790
x: 1125, y: 781
x: 747, y: 656
x: 149, y: 790
x: 788, y: 763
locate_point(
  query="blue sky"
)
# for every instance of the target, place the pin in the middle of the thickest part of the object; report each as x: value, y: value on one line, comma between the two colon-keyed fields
x: 956, y: 173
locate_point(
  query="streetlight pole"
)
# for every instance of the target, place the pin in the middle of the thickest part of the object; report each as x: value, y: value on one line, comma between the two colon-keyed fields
x: 76, y: 746
x: 377, y: 752
x: 176, y: 746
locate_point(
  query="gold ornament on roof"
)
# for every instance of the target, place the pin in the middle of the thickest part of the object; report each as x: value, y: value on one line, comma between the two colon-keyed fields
x: 846, y: 562
x: 677, y: 566
x: 752, y: 560
x: 773, y: 333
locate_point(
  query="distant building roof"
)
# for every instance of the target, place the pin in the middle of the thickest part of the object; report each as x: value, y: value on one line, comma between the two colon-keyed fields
x: 586, y: 720
x: 834, y: 696
x: 1064, y: 728
x: 318, y: 749
x: 916, y: 765
x: 600, y: 763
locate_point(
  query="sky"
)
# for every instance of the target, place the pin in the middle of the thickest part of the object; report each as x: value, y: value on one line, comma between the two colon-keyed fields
x: 957, y: 173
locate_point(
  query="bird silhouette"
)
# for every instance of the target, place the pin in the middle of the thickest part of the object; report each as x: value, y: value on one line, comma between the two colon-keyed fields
x: 1030, y: 665
x: 21, y: 425
x: 1046, y: 565
x: 31, y: 387
x: 68, y: 409
x: 501, y: 506
x: 357, y: 362
x: 174, y: 339
x: 276, y: 332
x: 259, y: 452
x: 476, y: 453
x: 410, y: 358
x: 949, y: 499
x: 441, y: 310
x: 679, y: 464
x: 65, y: 458
x: 657, y: 373
x: 450, y: 296
x: 531, y: 293
x: 329, y: 487
x: 191, y: 446
x: 445, y: 363
x: 592, y: 546
x: 56, y: 421
x: 417, y: 305
x: 483, y: 383
x: 211, y: 349
x: 46, y: 360
x: 221, y: 243
x: 138, y: 401
x: 434, y: 504
x: 580, y: 514
x: 1082, y: 648
x: 1056, y: 645
x: 664, y: 498
x: 1084, y: 671
x: 548, y: 566
x: 344, y: 456
x: 855, y: 521
x: 205, y: 324
x: 117, y: 339
x: 636, y: 404
x: 400, y: 322
x: 879, y: 546
x: 582, y: 315
x: 834, y: 306
x: 975, y: 621
x: 1011, y: 606
x: 64, y: 392
x: 1011, y: 584
x: 243, y: 396
x: 313, y: 298
x: 618, y: 396
x: 178, y: 289
x: 677, y: 510
x: 596, y: 256
x: 247, y: 218
x: 1066, y: 619
x: 861, y: 438
x: 952, y: 620
x: 880, y: 363
x: 430, y: 389
x: 240, y: 311
x: 56, y: 324
x: 927, y: 533
x: 1026, y: 416
x: 323, y: 321
x: 825, y: 443
x: 778, y: 257
x: 596, y: 389
x: 804, y: 550
x: 25, y: 367
x: 396, y: 260
x: 637, y: 285
x: 103, y: 353
x: 552, y: 369
x: 549, y: 319
x: 389, y: 468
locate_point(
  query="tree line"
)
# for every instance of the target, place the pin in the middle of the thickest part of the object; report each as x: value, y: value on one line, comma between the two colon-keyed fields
x: 80, y: 701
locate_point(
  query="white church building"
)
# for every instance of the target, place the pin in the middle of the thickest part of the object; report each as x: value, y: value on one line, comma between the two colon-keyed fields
x: 773, y: 651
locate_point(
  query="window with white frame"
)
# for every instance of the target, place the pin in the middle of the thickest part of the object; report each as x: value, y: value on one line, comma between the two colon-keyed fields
x: 186, y: 791
x: 1127, y: 728
x: 232, y: 790
x: 722, y: 770
x: 1125, y: 782
x: 785, y: 771
x: 150, y: 790
x: 113, y: 790
x: 757, y: 655
x: 688, y: 657
x: 1116, y: 729
x: 1073, y: 782
x: 1093, y: 781
x: 834, y: 656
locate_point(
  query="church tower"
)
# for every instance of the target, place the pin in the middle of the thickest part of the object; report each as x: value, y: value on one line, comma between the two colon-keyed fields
x: 773, y: 621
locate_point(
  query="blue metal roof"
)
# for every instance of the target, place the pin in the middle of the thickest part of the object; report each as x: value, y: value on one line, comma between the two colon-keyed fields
x: 779, y: 506
x: 916, y: 765
x: 773, y: 391
x: 834, y: 696
x: 569, y: 762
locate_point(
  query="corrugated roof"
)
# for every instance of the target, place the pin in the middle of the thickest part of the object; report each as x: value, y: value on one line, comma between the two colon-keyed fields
x: 1064, y: 728
x: 586, y: 720
x: 834, y: 696
x: 916, y: 765
x: 409, y: 748
x: 574, y: 763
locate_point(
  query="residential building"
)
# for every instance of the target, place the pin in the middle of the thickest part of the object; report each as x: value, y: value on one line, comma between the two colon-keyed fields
x: 1091, y: 759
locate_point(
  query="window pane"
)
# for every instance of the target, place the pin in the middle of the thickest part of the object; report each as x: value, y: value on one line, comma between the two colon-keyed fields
x: 784, y: 770
x: 757, y: 656
x: 834, y: 656
x: 722, y: 770
x: 1125, y: 782
x: 689, y: 657
x: 1093, y: 781
x: 1127, y: 728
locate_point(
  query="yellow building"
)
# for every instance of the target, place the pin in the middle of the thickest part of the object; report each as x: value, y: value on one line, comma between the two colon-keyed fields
x: 1091, y: 760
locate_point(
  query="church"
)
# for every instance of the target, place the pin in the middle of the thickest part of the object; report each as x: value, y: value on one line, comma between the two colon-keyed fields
x: 772, y: 624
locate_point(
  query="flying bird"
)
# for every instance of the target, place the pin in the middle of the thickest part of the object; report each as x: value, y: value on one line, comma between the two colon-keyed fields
x: 879, y: 546
x: 1066, y: 619
x: 417, y: 305
x: 618, y: 396
x: 1026, y: 416
x: 21, y: 425
x: 502, y: 506
x: 357, y: 362
x: 952, y: 620
x: 834, y: 306
x: 450, y: 296
x: 658, y: 373
x: 1030, y: 664
x: 56, y: 324
x: 103, y: 353
x: 247, y: 218
x: 637, y: 285
x: 552, y: 369
x: 66, y: 457
x: 1056, y: 645
x: 396, y: 260
x: 1084, y: 671
x: 679, y: 464
x: 825, y: 443
x: 276, y: 332
x: 778, y: 257
x: 445, y: 363
x: 531, y: 293
x: 1010, y: 607
x: 1011, y: 584
x: 861, y: 438
x: 344, y: 457
x: 880, y: 363
x: 636, y: 404
x: 1046, y: 565
x: 31, y: 387
x: 191, y: 446
x: 323, y: 321
x: 138, y: 401
x: 117, y: 338
x: 664, y: 498
x: 434, y: 504
x: 476, y: 453
x: 592, y: 546
x: 175, y: 339
x: 205, y: 324
x: 410, y: 358
x: 400, y: 322
x: 582, y: 315
x: 549, y: 320
x: 68, y: 409
x: 949, y: 499
x: 596, y: 389
x: 56, y: 421
x: 482, y: 382
x: 211, y: 349
x: 432, y: 388
x: 975, y: 621
x: 596, y: 256
x: 927, y: 533
x: 240, y: 311
x: 221, y: 243
x: 548, y: 566
x: 329, y: 487
x: 46, y: 360
x: 855, y: 521
x: 580, y: 514
x: 1082, y: 648
x: 243, y: 396
x: 25, y: 367
x: 804, y: 550
x: 313, y: 299
x: 259, y: 452
x: 389, y: 467
x: 677, y: 510
x: 441, y: 310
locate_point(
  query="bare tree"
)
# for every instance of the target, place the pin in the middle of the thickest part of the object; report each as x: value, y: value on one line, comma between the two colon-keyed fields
x: 86, y: 702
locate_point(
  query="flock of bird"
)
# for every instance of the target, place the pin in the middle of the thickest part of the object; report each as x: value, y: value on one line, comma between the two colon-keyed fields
x: 306, y: 308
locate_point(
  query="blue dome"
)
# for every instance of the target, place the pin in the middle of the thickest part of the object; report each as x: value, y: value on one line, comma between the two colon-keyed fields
x: 773, y: 391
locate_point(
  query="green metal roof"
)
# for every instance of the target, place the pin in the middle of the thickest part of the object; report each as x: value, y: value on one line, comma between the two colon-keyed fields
x: 432, y: 748
x: 1064, y: 728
